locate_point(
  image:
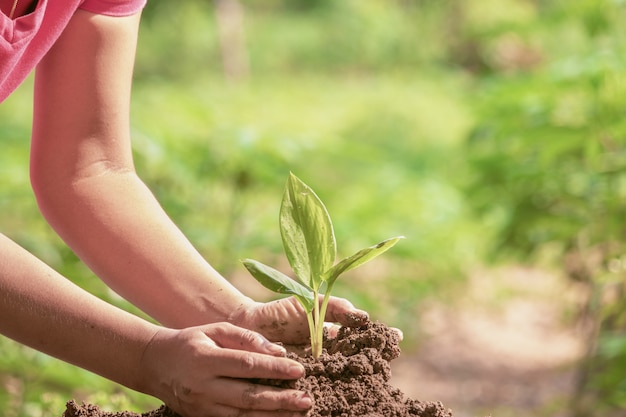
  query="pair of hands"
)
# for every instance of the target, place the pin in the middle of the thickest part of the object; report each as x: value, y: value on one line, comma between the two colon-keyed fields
x: 205, y: 370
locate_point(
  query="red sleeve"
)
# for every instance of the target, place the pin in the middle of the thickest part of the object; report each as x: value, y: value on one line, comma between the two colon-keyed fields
x: 113, y: 7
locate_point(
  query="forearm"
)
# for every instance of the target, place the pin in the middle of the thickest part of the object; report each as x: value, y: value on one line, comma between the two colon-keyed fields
x: 116, y: 226
x: 83, y: 175
x: 42, y: 309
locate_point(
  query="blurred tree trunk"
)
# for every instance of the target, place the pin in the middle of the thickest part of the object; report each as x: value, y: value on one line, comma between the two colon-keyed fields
x: 231, y: 32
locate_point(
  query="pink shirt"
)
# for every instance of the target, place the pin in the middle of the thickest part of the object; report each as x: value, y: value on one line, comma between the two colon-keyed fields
x: 25, y: 40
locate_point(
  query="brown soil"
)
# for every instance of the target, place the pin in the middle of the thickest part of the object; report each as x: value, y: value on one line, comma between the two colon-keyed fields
x: 90, y: 410
x: 350, y: 379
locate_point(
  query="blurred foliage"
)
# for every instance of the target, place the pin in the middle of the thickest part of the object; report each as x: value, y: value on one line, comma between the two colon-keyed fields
x: 322, y: 37
x: 455, y: 123
x: 548, y: 162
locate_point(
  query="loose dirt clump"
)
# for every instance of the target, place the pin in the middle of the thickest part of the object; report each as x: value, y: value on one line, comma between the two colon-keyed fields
x: 350, y: 379
x: 73, y: 409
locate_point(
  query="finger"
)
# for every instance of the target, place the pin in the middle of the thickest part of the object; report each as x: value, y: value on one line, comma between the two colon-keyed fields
x: 342, y: 311
x: 399, y: 333
x: 248, y: 396
x: 332, y: 329
x: 225, y: 411
x: 232, y: 337
x: 240, y: 364
x: 196, y: 406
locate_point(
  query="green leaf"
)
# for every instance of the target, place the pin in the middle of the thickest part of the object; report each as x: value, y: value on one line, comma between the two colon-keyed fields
x: 307, y: 233
x: 276, y: 281
x: 359, y: 258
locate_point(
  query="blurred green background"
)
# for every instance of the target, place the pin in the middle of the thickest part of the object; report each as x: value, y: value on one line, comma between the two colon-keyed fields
x: 488, y: 132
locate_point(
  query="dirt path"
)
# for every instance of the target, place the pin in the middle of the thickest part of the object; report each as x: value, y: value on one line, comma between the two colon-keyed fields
x: 503, y: 349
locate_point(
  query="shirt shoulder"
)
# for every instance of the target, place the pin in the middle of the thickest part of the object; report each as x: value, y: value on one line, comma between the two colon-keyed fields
x: 113, y: 7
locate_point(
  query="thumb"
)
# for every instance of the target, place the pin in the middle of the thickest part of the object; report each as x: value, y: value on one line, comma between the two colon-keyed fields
x: 229, y: 336
x: 343, y: 312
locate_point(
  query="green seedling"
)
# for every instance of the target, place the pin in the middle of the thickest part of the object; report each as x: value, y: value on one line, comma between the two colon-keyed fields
x: 309, y: 243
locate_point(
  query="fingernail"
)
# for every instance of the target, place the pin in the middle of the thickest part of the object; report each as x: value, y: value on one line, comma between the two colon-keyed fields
x: 296, y: 370
x: 356, y: 318
x: 361, y: 313
x: 305, y: 401
x: 398, y: 332
x: 333, y: 329
x: 276, y: 350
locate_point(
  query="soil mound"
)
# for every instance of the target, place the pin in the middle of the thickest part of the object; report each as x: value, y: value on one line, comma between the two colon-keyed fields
x: 350, y: 379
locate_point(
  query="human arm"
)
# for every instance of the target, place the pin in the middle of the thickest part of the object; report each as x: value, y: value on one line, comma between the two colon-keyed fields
x: 43, y: 310
x: 83, y: 175
x: 87, y: 187
x: 188, y: 369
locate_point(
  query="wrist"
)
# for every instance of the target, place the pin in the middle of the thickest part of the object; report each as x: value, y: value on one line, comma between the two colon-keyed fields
x: 244, y: 314
x: 151, y: 375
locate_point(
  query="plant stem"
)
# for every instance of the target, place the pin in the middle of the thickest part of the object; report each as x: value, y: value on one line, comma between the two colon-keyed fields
x: 319, y: 313
x: 316, y: 329
x: 311, y: 322
x: 324, y: 307
x: 320, y: 329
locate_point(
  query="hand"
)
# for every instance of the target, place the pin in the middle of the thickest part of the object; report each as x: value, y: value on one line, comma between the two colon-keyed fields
x: 284, y: 320
x: 202, y: 371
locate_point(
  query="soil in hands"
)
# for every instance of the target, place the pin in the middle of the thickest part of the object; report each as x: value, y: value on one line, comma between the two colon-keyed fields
x: 350, y: 379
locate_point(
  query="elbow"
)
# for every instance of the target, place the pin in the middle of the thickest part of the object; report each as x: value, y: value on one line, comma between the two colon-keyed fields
x: 52, y: 193
x: 54, y: 181
x: 66, y: 193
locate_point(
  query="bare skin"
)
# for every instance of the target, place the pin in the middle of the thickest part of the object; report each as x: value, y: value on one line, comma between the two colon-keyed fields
x: 87, y: 188
x: 216, y: 386
x: 188, y: 369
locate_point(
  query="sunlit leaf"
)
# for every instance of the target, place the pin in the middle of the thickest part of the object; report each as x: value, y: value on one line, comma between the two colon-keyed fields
x: 307, y: 232
x: 278, y: 282
x: 359, y: 258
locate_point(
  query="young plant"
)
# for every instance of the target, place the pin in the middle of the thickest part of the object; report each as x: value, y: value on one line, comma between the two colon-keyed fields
x: 309, y: 244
